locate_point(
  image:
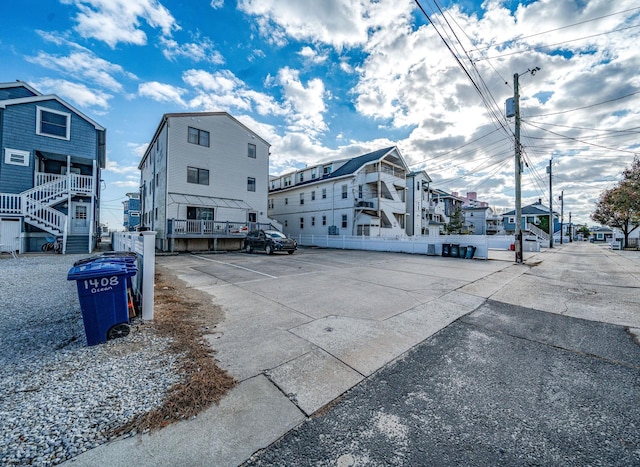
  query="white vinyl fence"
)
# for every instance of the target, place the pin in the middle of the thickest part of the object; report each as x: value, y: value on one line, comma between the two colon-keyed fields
x: 431, y: 245
x: 143, y: 244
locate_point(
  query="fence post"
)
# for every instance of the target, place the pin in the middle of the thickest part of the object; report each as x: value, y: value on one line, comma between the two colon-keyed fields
x: 148, y: 273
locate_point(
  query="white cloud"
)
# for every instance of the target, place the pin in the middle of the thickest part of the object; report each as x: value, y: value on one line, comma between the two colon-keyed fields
x: 162, y: 92
x: 215, y: 4
x: 202, y: 50
x: 130, y: 170
x: 85, y: 64
x: 306, y: 103
x: 116, y: 21
x: 76, y: 93
x: 222, y: 90
x: 312, y: 56
x: 138, y: 149
x: 340, y: 23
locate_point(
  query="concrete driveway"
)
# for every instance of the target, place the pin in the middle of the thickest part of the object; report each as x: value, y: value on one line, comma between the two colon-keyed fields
x: 301, y: 330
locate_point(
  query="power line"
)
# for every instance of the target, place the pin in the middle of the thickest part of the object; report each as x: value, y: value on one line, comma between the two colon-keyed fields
x: 587, y: 106
x: 542, y: 47
x: 554, y: 30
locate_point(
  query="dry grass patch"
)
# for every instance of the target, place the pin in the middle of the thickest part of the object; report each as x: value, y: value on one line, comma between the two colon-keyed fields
x: 184, y: 315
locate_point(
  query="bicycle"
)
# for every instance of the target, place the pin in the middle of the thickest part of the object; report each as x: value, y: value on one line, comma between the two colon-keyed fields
x: 52, y: 244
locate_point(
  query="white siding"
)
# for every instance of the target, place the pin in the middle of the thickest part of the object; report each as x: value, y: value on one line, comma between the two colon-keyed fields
x: 227, y: 161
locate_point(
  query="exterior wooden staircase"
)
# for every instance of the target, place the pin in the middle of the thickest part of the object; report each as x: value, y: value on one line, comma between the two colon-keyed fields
x: 36, y: 204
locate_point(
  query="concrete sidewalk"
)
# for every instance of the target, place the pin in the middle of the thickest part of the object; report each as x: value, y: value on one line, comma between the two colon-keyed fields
x: 299, y: 331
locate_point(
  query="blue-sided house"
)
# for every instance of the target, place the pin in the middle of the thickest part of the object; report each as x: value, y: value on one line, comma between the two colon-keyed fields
x: 131, y: 206
x: 531, y: 215
x: 51, y: 157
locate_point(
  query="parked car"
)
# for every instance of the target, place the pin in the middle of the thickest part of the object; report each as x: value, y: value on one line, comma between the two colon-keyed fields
x: 269, y: 241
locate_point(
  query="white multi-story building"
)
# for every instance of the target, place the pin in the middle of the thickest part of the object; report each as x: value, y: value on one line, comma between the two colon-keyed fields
x: 360, y: 196
x: 204, y: 181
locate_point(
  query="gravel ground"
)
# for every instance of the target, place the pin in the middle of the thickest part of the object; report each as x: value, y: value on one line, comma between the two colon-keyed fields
x: 58, y: 397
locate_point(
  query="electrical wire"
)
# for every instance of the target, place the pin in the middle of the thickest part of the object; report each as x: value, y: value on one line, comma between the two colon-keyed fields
x: 554, y: 30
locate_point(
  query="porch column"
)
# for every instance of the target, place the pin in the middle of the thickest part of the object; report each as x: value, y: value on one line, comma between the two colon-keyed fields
x: 94, y: 194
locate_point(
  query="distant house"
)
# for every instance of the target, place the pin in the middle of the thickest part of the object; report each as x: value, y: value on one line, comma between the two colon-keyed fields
x: 364, y: 195
x: 532, y: 214
x: 418, y: 203
x: 482, y: 220
x: 204, y: 179
x: 131, y: 209
x: 600, y: 234
x: 51, y: 157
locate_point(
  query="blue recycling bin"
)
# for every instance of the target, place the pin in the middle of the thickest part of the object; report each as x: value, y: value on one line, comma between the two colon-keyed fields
x: 446, y: 249
x: 102, y: 291
x: 455, y: 250
x: 471, y: 251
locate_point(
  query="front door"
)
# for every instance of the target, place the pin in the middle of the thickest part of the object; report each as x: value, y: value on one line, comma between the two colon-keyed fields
x: 79, y: 218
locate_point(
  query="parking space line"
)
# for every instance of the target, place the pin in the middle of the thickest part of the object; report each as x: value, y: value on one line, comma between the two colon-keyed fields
x: 236, y: 266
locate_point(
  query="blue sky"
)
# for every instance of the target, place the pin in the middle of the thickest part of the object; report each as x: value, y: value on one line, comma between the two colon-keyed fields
x: 330, y: 79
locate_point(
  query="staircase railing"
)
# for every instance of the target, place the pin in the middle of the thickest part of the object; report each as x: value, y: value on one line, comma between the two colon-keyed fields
x: 538, y: 232
x: 54, y: 220
x: 10, y: 203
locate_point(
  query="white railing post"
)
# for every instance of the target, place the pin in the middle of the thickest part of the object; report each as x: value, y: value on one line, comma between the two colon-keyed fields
x: 148, y: 273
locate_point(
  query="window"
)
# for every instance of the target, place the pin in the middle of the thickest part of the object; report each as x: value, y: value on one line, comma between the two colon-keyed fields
x: 199, y: 176
x: 15, y: 157
x: 286, y: 201
x: 313, y: 174
x: 200, y: 137
x: 302, y: 222
x: 286, y: 223
x: 326, y: 169
x: 324, y: 193
x: 301, y: 176
x: 53, y: 123
x: 313, y: 196
x: 344, y: 191
x: 199, y: 213
x: 251, y: 184
x: 511, y: 220
x: 156, y: 213
x: 324, y: 220
x: 344, y: 221
x: 301, y: 198
x: 251, y: 151
x: 360, y: 191
x: 313, y: 221
x: 157, y: 179
x: 253, y: 217
x: 287, y: 180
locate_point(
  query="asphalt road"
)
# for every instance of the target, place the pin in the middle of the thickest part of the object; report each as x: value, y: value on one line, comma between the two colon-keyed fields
x: 504, y: 385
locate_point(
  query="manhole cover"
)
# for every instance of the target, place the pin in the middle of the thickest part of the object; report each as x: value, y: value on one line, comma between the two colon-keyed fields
x: 582, y: 291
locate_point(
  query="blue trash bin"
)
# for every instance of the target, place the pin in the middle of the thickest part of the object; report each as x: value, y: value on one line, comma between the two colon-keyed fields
x: 471, y: 251
x: 446, y: 249
x: 102, y: 291
x: 455, y: 249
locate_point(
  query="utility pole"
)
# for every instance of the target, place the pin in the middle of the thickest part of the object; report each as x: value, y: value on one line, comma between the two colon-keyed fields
x: 518, y: 169
x: 549, y: 170
x: 561, y: 214
x: 518, y: 161
x: 570, y: 229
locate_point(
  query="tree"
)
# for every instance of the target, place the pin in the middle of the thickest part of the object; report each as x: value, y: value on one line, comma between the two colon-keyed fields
x: 584, y: 230
x: 544, y: 223
x: 620, y: 206
x: 456, y: 222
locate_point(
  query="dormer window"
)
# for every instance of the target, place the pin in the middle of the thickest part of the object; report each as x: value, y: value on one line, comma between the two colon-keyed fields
x: 53, y: 123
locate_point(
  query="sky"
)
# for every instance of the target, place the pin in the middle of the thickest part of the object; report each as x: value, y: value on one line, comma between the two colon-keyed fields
x: 332, y: 79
